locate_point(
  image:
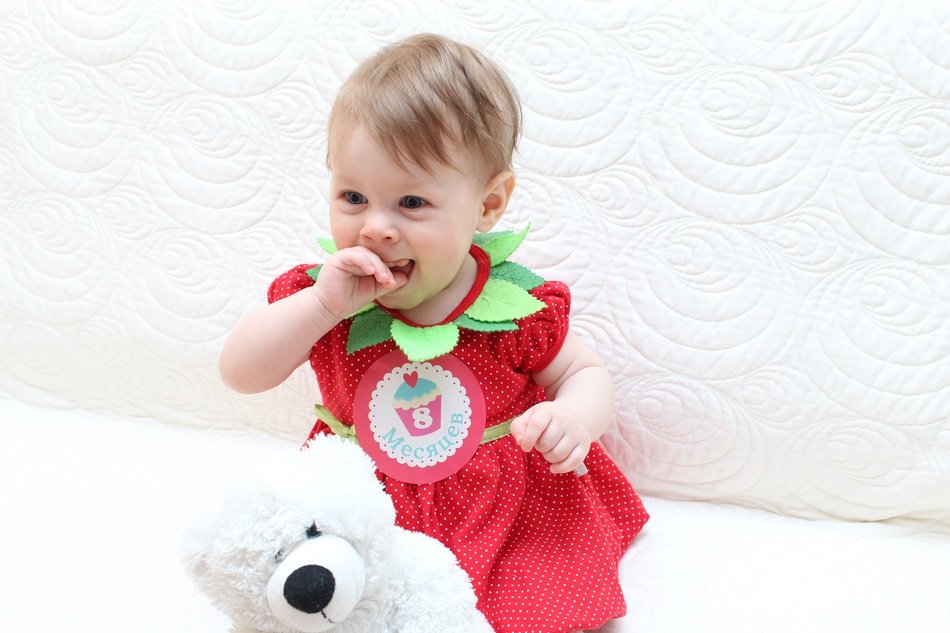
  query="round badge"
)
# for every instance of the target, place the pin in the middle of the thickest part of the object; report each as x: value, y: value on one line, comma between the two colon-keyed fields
x: 420, y: 422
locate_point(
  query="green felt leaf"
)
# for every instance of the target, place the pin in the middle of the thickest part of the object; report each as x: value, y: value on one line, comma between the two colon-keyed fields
x: 327, y: 244
x: 368, y: 328
x: 366, y: 308
x: 500, y: 245
x: 517, y: 274
x: 481, y: 238
x: 469, y: 323
x: 313, y: 272
x: 503, y: 301
x: 425, y: 343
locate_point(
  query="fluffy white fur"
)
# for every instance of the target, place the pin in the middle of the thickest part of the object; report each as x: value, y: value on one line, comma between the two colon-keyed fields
x: 410, y: 582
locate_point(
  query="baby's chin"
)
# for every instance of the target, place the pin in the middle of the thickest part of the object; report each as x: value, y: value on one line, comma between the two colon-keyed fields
x: 412, y: 307
x: 397, y: 301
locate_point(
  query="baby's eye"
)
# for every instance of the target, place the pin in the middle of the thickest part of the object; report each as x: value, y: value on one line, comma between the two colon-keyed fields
x: 412, y: 202
x: 354, y: 197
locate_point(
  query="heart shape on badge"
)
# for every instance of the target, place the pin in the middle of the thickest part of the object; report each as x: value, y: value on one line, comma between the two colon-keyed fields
x: 411, y: 378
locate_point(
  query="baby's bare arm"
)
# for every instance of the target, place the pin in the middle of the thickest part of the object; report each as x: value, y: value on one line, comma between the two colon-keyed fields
x: 579, y: 409
x: 268, y: 345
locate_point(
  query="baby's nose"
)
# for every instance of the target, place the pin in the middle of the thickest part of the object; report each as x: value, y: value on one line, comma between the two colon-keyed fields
x: 379, y: 226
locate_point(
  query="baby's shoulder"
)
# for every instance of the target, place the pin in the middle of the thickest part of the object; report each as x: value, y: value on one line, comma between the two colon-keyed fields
x: 294, y: 280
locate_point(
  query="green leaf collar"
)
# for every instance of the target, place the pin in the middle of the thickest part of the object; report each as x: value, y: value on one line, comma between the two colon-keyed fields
x: 504, y: 299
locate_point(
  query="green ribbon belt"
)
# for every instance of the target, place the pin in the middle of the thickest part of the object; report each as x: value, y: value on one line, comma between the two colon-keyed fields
x: 348, y: 432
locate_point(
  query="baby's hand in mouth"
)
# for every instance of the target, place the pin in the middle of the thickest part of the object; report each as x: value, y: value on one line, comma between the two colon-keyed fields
x: 355, y: 276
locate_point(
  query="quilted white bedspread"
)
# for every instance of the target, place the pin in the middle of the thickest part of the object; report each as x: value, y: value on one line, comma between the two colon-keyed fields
x: 750, y: 200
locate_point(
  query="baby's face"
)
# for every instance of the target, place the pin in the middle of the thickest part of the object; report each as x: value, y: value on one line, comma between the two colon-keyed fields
x: 418, y: 222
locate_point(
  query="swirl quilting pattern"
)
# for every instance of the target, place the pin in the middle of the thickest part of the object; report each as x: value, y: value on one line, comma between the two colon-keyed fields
x: 896, y: 163
x: 750, y: 201
x: 738, y: 144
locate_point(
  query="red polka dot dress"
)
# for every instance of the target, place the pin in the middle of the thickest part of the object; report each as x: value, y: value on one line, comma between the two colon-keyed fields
x: 542, y: 550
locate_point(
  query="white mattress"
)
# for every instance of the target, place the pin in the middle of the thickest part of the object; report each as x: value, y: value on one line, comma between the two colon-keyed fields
x: 98, y: 502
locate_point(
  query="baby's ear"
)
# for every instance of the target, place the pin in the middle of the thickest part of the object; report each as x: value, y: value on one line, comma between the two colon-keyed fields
x: 495, y: 199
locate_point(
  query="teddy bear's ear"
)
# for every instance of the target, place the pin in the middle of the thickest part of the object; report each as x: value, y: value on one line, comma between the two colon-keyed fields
x: 193, y: 550
x: 196, y: 566
x: 197, y: 537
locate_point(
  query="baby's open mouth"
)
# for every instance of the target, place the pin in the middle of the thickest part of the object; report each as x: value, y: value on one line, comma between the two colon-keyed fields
x: 404, y: 266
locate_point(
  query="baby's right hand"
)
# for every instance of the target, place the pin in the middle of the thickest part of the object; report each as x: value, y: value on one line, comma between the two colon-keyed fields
x: 353, y: 277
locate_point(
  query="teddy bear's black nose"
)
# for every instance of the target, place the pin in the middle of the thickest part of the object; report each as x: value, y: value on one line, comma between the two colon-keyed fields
x: 309, y: 588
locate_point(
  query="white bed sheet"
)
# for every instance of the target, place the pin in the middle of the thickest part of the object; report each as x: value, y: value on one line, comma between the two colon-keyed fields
x: 93, y: 506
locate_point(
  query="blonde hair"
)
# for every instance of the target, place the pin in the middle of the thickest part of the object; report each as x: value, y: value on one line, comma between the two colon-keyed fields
x: 426, y: 95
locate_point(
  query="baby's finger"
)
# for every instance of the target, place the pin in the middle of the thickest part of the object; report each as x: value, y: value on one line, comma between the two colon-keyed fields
x: 398, y: 281
x: 527, y: 429
x: 364, y: 262
x: 381, y: 272
x: 384, y: 276
x: 552, y: 437
x: 573, y: 461
x: 559, y: 450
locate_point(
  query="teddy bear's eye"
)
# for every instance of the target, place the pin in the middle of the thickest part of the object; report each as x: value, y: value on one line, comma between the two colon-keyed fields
x: 279, y: 556
x: 313, y: 531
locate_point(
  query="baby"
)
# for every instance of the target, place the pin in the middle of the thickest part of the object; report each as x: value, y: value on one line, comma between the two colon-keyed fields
x: 453, y: 367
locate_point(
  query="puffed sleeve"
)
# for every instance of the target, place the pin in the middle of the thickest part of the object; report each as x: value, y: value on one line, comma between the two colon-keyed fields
x: 294, y: 280
x: 539, y: 336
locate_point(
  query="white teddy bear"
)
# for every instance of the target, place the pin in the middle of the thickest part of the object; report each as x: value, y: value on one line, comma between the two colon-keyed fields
x: 311, y: 545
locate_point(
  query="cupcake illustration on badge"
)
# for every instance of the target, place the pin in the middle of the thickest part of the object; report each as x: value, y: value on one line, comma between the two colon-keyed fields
x: 420, y: 422
x: 418, y: 403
